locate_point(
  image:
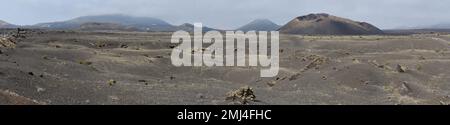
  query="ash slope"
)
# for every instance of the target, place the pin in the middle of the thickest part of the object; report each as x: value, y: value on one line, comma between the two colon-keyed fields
x: 325, y: 24
x: 190, y: 28
x: 69, y: 67
x: 105, y: 27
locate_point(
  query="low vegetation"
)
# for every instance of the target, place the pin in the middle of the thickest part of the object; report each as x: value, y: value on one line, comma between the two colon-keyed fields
x: 243, y: 95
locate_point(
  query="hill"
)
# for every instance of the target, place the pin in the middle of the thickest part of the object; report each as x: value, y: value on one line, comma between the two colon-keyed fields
x: 260, y: 25
x: 4, y: 24
x: 142, y: 23
x: 325, y: 24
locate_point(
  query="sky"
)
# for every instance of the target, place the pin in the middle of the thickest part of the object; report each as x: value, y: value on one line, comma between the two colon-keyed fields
x: 230, y: 14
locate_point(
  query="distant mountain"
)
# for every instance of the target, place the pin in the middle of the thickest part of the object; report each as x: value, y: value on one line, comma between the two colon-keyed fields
x: 4, y: 24
x: 415, y: 31
x: 439, y: 26
x: 325, y: 24
x: 190, y: 28
x: 260, y: 25
x: 142, y: 23
x: 435, y: 26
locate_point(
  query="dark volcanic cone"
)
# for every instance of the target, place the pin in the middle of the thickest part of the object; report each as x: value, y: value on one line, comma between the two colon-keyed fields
x: 324, y: 24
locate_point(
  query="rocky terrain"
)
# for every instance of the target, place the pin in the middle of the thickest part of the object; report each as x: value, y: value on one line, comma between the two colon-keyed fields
x: 79, y: 67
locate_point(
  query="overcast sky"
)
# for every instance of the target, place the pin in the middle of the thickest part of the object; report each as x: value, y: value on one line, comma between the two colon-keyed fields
x: 229, y: 14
